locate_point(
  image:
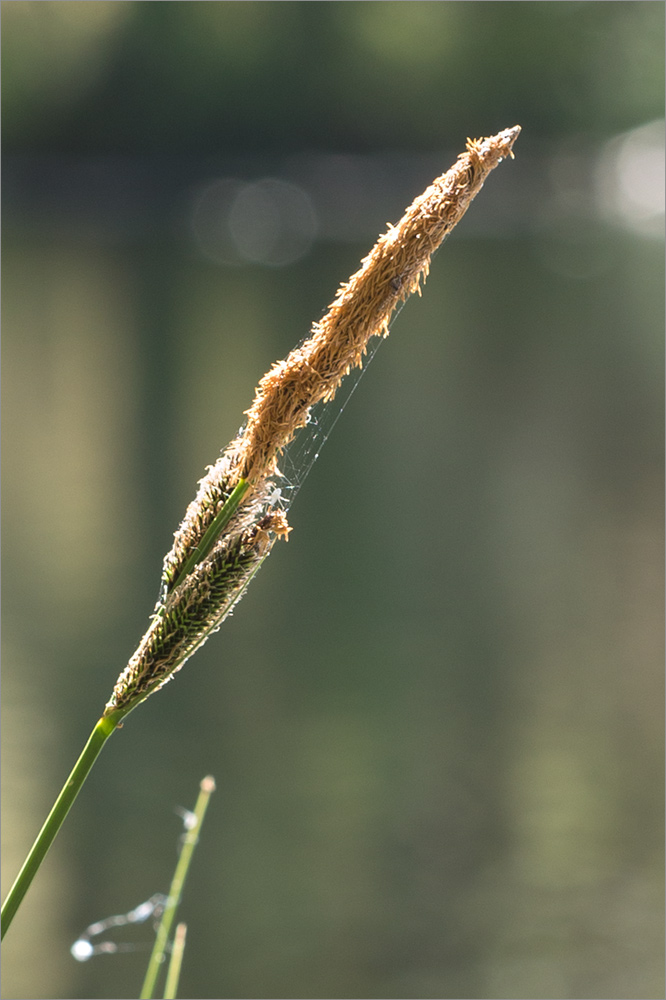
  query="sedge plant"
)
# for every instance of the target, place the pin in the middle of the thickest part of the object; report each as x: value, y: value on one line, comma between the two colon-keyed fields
x: 236, y: 517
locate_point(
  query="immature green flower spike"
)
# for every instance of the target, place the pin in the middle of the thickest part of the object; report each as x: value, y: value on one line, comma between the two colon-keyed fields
x: 232, y: 523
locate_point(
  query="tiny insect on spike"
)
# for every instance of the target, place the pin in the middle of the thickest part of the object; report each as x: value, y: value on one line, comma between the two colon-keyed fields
x: 274, y: 497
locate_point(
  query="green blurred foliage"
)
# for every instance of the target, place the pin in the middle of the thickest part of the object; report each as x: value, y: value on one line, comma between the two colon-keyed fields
x: 161, y: 76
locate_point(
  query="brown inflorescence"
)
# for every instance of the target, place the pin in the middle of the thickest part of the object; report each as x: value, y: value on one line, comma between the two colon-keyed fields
x: 194, y: 603
x: 314, y: 370
x: 362, y: 308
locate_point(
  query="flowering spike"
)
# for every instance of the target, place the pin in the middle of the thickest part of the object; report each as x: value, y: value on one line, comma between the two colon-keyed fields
x: 233, y: 522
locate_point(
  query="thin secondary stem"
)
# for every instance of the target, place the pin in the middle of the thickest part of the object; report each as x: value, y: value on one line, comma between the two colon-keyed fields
x: 55, y: 819
x: 175, y: 963
x: 175, y: 892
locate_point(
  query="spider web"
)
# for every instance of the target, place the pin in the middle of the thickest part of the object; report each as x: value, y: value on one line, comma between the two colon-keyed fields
x: 303, y: 451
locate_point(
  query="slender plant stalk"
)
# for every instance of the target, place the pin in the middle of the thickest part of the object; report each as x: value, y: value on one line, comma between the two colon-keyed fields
x: 234, y: 520
x: 100, y: 734
x: 207, y: 788
x: 175, y: 962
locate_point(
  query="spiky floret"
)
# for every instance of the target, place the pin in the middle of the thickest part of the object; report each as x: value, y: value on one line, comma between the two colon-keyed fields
x: 196, y: 609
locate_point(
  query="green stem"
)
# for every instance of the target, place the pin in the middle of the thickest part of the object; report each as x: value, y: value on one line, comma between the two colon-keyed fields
x: 212, y: 533
x: 175, y: 963
x: 175, y: 892
x: 56, y: 817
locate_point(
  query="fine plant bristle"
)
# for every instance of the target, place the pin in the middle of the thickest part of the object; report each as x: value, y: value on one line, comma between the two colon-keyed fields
x: 231, y: 525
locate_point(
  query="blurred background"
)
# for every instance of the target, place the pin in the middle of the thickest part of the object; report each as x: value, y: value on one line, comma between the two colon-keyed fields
x: 436, y: 719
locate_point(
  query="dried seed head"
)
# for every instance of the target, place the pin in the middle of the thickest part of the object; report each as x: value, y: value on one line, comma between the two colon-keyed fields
x: 362, y: 309
x: 198, y: 595
x: 313, y: 371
